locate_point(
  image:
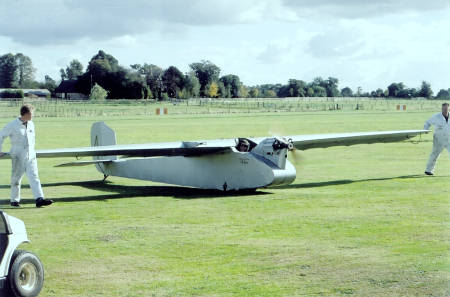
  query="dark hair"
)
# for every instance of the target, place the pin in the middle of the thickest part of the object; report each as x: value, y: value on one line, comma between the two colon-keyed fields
x: 444, y: 104
x: 27, y: 108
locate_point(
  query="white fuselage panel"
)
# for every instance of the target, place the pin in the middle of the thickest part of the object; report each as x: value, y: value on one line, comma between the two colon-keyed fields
x: 223, y: 171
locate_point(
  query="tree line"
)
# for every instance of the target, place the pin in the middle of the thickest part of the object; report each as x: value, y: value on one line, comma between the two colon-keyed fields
x: 149, y: 81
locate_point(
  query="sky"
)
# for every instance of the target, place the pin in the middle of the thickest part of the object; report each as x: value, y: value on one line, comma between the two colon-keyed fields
x: 363, y: 43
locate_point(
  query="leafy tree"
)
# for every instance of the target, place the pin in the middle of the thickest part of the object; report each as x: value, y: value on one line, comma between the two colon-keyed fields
x: 120, y: 82
x: 98, y: 93
x: 49, y: 84
x: 111, y: 61
x: 11, y: 94
x: 331, y: 87
x: 294, y: 88
x: 285, y: 91
x: 126, y: 84
x: 100, y: 68
x: 443, y: 94
x: 254, y: 92
x: 16, y: 71
x: 346, y: 92
x: 243, y: 91
x: 148, y: 93
x: 232, y: 85
x: 224, y: 92
x: 206, y: 73
x: 213, y: 90
x: 101, y: 71
x: 378, y: 93
x: 191, y: 86
x: 8, y: 71
x: 425, y: 90
x: 164, y: 96
x: 98, y: 71
x: 173, y: 81
x: 136, y: 67
x: 265, y: 88
x: 319, y: 91
x: 25, y: 71
x: 318, y: 81
x: 271, y: 94
x: 73, y: 70
x: 153, y: 78
x: 407, y: 93
x: 395, y: 88
x: 63, y: 74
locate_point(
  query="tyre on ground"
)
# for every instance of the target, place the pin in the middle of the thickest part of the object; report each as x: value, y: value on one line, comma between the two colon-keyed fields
x: 26, y: 274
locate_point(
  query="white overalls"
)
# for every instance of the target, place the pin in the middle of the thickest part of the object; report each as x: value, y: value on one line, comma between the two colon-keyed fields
x: 441, y: 138
x: 23, y: 156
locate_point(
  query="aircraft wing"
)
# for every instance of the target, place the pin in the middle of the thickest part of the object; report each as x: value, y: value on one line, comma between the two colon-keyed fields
x: 304, y: 142
x: 197, y: 148
x: 143, y: 150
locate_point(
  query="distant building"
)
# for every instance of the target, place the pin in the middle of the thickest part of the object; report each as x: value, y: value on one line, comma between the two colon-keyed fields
x: 41, y: 93
x: 67, y: 89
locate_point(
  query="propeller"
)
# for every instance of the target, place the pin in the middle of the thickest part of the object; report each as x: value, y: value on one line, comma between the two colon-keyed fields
x: 295, y: 153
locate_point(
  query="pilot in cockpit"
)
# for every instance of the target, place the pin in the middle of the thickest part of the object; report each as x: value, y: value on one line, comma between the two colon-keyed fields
x: 243, y: 145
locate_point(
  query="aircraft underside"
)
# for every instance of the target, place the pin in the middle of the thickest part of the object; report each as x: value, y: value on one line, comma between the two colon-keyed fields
x: 226, y: 171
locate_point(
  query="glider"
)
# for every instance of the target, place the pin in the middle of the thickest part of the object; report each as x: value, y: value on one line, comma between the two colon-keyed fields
x: 211, y: 164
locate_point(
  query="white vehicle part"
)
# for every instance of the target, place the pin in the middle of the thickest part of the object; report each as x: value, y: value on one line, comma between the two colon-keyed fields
x: 12, y: 230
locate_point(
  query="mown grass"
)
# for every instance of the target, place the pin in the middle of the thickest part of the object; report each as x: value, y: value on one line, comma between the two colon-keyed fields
x: 358, y: 221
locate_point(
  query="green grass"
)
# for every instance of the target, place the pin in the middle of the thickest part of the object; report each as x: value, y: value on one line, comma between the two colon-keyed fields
x: 357, y: 221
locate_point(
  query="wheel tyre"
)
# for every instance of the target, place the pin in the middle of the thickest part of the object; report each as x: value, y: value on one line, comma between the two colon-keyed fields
x: 26, y: 274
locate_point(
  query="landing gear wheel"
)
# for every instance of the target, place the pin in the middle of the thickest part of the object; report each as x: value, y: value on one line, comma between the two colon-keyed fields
x: 26, y: 274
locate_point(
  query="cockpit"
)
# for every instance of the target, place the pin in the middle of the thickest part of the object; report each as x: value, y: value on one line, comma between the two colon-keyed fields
x: 244, y: 145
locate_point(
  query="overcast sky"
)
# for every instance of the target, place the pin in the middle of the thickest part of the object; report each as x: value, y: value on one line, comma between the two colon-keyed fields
x: 361, y: 42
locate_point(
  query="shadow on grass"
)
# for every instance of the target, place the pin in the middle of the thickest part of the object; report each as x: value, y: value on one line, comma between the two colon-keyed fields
x: 120, y: 191
x: 351, y: 181
x: 116, y: 191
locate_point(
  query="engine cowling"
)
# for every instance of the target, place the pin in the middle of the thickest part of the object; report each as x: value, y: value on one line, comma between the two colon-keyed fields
x: 273, y: 150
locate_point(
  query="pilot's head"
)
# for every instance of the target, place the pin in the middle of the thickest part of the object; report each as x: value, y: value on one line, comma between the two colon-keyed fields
x: 244, y: 145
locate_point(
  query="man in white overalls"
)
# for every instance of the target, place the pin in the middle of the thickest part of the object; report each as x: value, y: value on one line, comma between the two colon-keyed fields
x: 23, y: 156
x: 441, y: 137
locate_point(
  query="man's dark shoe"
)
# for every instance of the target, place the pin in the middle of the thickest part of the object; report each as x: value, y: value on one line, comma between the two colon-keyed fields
x: 428, y: 173
x: 15, y: 204
x: 43, y: 202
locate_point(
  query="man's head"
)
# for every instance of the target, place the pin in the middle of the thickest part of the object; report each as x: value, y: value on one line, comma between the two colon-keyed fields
x: 26, y: 112
x: 244, y: 145
x: 445, y: 108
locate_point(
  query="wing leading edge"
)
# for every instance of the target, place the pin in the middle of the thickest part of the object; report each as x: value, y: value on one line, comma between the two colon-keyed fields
x: 142, y: 150
x: 301, y: 142
x: 304, y: 142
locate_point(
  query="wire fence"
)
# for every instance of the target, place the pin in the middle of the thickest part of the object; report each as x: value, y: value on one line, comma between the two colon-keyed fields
x: 125, y: 107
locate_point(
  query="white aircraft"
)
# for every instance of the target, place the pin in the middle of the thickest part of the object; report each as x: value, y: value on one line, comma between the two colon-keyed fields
x: 210, y: 164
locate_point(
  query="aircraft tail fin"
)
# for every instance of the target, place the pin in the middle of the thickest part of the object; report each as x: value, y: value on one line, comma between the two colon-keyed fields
x: 102, y: 135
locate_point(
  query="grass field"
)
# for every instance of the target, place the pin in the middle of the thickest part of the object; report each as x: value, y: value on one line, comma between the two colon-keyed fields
x: 357, y: 221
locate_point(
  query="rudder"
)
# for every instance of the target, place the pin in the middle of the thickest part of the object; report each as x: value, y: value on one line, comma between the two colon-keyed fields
x: 102, y: 135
